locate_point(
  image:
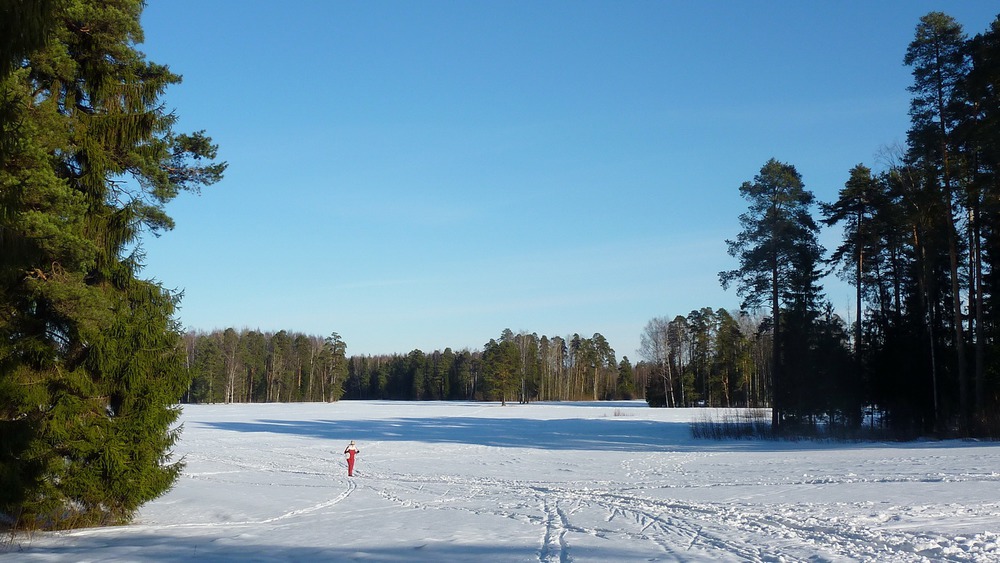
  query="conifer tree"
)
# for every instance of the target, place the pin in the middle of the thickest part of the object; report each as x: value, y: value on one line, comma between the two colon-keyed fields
x: 625, y: 384
x: 778, y: 254
x: 939, y: 60
x: 501, y: 363
x: 336, y: 348
x: 981, y: 90
x: 90, y: 355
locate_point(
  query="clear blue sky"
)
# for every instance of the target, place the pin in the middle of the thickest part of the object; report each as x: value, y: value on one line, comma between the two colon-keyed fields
x: 426, y: 174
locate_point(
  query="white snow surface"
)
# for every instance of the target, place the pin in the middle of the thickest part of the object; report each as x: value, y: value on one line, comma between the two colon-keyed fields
x: 540, y: 482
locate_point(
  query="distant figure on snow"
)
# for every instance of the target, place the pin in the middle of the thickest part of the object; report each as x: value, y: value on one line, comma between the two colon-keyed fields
x: 351, y: 450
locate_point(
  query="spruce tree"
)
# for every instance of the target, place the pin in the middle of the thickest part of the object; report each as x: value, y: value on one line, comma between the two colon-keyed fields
x: 625, y: 384
x: 501, y: 363
x: 90, y: 357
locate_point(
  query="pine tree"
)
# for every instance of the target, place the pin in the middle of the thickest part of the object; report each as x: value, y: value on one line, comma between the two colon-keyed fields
x: 337, y: 350
x: 778, y: 254
x: 940, y: 63
x: 981, y: 91
x: 91, y: 360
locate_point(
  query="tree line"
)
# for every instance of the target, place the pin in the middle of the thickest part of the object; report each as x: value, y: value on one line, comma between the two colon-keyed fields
x: 250, y: 366
x: 707, y: 358
x: 921, y: 235
x: 710, y: 358
x: 254, y: 366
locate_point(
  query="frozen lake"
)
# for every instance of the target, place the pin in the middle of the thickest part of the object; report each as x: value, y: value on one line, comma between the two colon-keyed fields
x: 541, y: 482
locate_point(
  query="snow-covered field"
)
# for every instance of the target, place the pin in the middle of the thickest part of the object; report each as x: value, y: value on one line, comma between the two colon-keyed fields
x: 541, y: 482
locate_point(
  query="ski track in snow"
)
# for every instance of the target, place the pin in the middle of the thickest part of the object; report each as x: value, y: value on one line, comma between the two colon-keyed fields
x: 660, y: 506
x: 721, y: 530
x: 351, y: 487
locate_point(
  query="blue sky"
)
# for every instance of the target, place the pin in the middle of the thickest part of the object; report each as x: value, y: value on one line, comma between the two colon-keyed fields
x: 422, y: 175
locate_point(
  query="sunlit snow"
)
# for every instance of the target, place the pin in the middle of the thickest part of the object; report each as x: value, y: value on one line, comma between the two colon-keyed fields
x: 541, y: 482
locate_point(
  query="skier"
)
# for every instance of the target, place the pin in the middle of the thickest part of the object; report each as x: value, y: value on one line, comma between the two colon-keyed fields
x: 351, y: 450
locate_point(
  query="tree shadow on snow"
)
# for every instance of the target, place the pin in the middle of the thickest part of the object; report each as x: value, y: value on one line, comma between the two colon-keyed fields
x: 559, y: 434
x: 212, y: 548
x: 589, y: 434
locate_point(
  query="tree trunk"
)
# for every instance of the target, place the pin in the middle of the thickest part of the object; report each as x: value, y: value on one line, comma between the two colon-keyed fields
x: 977, y: 288
x: 956, y: 304
x: 861, y: 265
x: 956, y: 298
x: 776, y: 399
x: 928, y: 314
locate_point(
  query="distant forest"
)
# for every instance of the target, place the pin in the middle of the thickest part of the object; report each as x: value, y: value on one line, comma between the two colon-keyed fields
x: 250, y: 366
x: 921, y: 231
x: 706, y: 358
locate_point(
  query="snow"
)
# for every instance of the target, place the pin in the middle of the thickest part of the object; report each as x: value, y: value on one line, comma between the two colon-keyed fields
x: 541, y: 482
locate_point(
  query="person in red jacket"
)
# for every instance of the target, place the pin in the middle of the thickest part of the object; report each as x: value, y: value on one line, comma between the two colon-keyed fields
x: 351, y: 451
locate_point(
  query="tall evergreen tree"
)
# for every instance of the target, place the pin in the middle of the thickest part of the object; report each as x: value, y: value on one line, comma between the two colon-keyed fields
x: 501, y: 365
x: 938, y: 57
x: 253, y: 351
x: 90, y: 356
x: 729, y: 350
x: 625, y: 383
x: 981, y: 91
x: 335, y: 350
x: 778, y: 240
x: 701, y: 324
x: 855, y: 206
